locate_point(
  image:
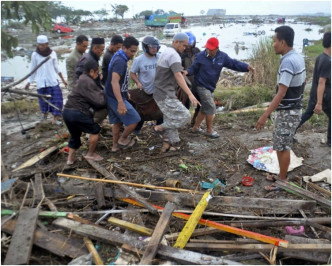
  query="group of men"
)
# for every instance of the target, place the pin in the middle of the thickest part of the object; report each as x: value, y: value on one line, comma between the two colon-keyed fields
x: 161, y: 76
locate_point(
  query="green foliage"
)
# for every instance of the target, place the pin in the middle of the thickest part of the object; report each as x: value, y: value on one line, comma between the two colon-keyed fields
x: 265, y: 62
x: 146, y: 13
x: 243, y: 97
x: 24, y: 106
x: 34, y: 13
x: 322, y: 21
x: 119, y: 10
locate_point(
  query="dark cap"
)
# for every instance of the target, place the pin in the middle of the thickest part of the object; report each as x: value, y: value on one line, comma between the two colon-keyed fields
x: 98, y: 40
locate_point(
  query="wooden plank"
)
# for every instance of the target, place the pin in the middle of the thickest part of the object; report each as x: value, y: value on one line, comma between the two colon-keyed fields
x: 326, y: 248
x: 313, y: 185
x: 158, y: 234
x: 57, y: 244
x: 197, y: 232
x: 96, y: 257
x: 131, y: 226
x: 99, y: 193
x: 22, y: 240
x: 226, y: 228
x: 38, y: 188
x: 36, y: 158
x: 320, y: 200
x: 185, y: 257
x: 192, y: 222
x: 123, y: 187
x: 310, y: 255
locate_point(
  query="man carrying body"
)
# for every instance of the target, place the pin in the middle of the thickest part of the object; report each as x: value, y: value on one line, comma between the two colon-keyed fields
x: 287, y: 101
x: 168, y: 75
x: 206, y: 68
x: 320, y: 95
x: 143, y: 71
x: 46, y: 78
x: 120, y: 111
x: 115, y: 45
x: 82, y: 43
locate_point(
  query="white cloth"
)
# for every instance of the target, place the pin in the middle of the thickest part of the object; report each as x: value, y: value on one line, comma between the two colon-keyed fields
x: 321, y: 176
x: 47, y: 74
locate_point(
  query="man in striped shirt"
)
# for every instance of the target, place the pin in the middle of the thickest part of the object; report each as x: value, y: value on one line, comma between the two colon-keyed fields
x: 288, y: 99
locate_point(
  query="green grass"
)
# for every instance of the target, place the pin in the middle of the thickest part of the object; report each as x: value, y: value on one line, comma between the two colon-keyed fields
x: 24, y: 106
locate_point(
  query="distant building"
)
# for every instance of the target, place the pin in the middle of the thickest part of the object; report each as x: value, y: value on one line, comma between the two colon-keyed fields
x: 216, y: 12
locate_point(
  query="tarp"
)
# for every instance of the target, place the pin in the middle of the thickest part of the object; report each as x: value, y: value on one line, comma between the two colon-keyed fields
x: 265, y: 158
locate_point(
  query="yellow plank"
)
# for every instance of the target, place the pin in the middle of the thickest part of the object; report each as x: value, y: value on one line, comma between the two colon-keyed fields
x: 96, y: 257
x: 133, y: 227
x: 191, y: 224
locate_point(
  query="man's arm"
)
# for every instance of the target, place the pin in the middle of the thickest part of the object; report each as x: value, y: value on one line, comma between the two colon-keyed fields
x: 122, y: 110
x: 183, y: 85
x: 63, y: 80
x: 282, y: 90
x: 136, y: 80
x: 320, y: 92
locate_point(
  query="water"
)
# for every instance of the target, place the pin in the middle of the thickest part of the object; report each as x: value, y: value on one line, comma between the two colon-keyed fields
x: 228, y: 35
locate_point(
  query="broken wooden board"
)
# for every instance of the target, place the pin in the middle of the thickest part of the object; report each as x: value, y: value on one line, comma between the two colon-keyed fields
x: 55, y: 243
x: 308, y: 194
x: 326, y: 248
x: 22, y: 240
x: 226, y: 228
x: 310, y: 255
x: 124, y: 188
x: 99, y: 193
x: 192, y: 222
x: 281, y: 206
x: 158, y: 233
x: 185, y: 257
x: 197, y: 232
x: 36, y: 158
x: 131, y: 226
x: 38, y: 190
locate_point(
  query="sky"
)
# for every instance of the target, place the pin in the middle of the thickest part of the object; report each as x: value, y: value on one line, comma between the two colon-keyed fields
x: 194, y: 7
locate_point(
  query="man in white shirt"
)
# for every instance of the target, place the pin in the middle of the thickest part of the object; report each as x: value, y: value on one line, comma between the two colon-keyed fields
x: 46, y: 79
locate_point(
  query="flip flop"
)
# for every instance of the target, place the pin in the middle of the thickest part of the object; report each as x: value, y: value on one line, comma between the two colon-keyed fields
x: 130, y: 144
x: 271, y: 188
x: 274, y: 178
x: 198, y: 131
x: 170, y: 147
x: 96, y: 158
x: 212, y: 135
x: 70, y: 162
x: 159, y: 133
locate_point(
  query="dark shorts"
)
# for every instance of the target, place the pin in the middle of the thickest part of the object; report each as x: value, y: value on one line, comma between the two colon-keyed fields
x: 131, y: 117
x: 77, y: 123
x: 206, y: 99
x: 286, y: 123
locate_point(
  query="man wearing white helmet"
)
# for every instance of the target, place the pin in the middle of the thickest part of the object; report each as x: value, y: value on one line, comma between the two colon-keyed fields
x: 143, y: 71
x: 46, y: 78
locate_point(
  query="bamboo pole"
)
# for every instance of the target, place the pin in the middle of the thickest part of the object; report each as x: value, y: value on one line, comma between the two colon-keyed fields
x: 226, y: 228
x: 130, y: 184
x: 96, y: 258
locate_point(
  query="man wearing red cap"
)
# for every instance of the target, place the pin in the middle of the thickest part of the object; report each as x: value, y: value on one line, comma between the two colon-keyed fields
x: 206, y: 68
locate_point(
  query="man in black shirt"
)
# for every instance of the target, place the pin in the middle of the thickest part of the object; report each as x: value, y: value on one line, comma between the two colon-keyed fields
x: 320, y: 95
x: 115, y: 45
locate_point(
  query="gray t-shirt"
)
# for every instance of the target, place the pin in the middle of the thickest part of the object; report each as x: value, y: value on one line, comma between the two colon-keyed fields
x: 145, y: 68
x: 165, y: 83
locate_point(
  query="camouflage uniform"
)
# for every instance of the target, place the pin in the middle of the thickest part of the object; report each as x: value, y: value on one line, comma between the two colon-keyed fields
x: 175, y: 116
x: 286, y: 122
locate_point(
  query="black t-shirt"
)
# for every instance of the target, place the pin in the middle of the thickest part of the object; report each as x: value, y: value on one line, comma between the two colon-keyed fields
x: 106, y: 60
x: 322, y: 70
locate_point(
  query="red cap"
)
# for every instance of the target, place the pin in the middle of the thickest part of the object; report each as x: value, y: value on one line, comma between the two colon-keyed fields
x: 212, y: 43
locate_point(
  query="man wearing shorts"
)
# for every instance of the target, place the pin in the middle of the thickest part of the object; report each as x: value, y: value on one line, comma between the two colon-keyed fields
x: 206, y: 68
x: 287, y: 101
x: 120, y: 111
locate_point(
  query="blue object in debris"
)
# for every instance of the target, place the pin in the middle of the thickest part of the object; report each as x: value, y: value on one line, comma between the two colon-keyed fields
x: 6, y: 185
x: 208, y: 185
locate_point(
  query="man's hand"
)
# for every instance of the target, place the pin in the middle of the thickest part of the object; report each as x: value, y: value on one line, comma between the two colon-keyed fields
x: 318, y: 108
x: 251, y: 68
x: 194, y: 101
x: 122, y: 110
x: 27, y: 86
x: 139, y: 85
x: 261, y: 122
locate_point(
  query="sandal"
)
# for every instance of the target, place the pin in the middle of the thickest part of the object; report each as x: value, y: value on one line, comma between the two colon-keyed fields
x: 159, y: 133
x: 212, y: 135
x: 198, y: 131
x: 130, y: 144
x: 169, y: 147
x: 274, y: 178
x: 271, y: 188
x: 70, y: 162
x: 96, y: 157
